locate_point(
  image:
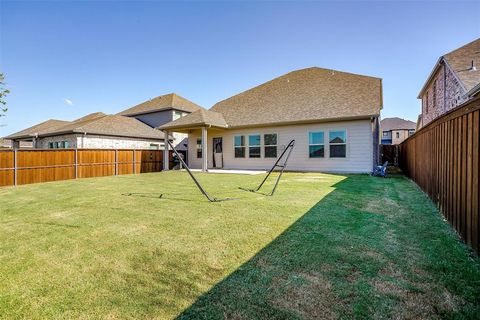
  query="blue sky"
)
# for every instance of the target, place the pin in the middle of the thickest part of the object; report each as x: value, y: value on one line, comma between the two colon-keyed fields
x: 64, y: 59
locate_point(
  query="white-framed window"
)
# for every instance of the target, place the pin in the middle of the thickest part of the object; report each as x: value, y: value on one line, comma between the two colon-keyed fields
x: 154, y: 146
x: 385, y: 133
x: 338, y: 143
x: 199, y: 147
x: 239, y: 146
x: 177, y: 114
x: 316, y: 144
x: 58, y: 145
x: 270, y: 145
x: 254, y: 145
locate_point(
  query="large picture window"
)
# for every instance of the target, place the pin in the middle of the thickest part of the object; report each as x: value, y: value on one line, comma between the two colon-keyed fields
x: 239, y: 146
x: 199, y: 147
x: 338, y: 144
x: 254, y: 146
x: 316, y: 144
x: 270, y: 145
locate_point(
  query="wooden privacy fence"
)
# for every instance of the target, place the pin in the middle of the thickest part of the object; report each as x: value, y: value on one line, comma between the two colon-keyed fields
x: 443, y: 159
x: 25, y: 166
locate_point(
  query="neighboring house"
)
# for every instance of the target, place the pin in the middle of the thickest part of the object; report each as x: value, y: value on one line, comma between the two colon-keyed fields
x: 332, y: 115
x: 395, y: 130
x: 454, y: 80
x: 163, y: 109
x: 133, y: 128
x: 6, y: 143
x: 96, y: 130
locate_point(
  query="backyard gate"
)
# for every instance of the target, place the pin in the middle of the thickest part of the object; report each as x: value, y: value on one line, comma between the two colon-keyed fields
x: 389, y: 152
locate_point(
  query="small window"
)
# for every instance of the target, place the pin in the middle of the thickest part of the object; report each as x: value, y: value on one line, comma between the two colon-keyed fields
x: 50, y: 145
x: 154, y: 146
x: 239, y: 146
x: 270, y: 145
x: 338, y: 144
x: 254, y: 146
x: 316, y: 144
x: 199, y: 147
x: 397, y: 134
x: 411, y: 132
x: 426, y: 103
x: 385, y: 133
x: 57, y: 145
x: 177, y: 115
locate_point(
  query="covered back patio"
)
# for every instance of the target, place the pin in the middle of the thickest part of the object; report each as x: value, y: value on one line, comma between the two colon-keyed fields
x: 203, y: 123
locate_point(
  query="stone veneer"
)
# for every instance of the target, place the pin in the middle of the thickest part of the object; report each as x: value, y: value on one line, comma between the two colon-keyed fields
x: 99, y: 142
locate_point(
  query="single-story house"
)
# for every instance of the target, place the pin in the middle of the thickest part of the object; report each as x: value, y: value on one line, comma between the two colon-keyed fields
x: 96, y: 130
x: 333, y: 117
x: 395, y: 130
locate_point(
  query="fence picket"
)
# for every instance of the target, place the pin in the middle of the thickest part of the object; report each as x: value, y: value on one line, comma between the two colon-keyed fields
x: 443, y: 159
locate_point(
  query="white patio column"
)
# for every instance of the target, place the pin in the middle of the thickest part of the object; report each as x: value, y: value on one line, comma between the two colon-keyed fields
x: 204, y: 149
x: 166, y: 152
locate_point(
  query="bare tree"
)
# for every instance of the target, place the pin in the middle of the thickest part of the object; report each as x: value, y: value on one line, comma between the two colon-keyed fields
x: 3, y: 94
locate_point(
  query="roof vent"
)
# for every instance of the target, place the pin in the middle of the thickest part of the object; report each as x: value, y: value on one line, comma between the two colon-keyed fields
x: 472, y: 67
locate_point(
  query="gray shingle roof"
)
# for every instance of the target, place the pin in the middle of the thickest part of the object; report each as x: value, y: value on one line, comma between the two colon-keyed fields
x: 101, y: 124
x: 165, y: 102
x: 198, y: 118
x: 389, y: 124
x: 45, y: 126
x: 306, y: 95
x: 460, y: 60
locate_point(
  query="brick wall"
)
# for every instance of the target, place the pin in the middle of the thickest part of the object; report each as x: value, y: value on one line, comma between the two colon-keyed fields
x: 443, y: 93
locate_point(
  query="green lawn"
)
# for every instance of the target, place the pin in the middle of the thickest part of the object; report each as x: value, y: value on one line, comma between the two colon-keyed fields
x: 325, y: 246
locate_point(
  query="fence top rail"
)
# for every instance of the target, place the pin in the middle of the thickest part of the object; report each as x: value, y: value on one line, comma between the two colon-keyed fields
x: 73, y: 149
x: 461, y: 110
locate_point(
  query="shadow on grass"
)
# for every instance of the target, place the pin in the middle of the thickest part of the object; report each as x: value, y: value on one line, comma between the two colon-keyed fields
x: 349, y: 256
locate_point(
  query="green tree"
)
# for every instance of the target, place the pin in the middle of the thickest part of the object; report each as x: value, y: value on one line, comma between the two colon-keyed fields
x: 3, y: 93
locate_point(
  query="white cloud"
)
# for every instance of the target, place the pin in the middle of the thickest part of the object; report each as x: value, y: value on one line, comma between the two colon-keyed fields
x: 68, y: 101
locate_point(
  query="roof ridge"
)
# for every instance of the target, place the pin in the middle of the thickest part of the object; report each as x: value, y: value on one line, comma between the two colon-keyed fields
x: 287, y: 74
x: 465, y: 45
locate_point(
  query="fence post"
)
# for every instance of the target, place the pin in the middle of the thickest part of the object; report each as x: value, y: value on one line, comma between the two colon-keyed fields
x: 134, y: 162
x: 76, y: 163
x: 15, y: 166
x: 116, y: 161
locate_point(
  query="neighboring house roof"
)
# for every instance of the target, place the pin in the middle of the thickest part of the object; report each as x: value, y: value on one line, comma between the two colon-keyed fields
x: 165, y: 102
x: 199, y: 118
x: 389, y: 124
x: 460, y: 62
x: 102, y: 124
x: 45, y: 126
x: 306, y: 95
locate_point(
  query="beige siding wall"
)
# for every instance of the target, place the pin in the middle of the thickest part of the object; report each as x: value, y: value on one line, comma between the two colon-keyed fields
x: 359, y: 148
x: 402, y: 135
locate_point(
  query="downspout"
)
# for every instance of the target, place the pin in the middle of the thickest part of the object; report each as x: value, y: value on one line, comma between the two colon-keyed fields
x: 444, y: 88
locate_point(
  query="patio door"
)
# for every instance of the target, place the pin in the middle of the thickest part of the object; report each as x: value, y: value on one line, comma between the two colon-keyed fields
x: 217, y: 153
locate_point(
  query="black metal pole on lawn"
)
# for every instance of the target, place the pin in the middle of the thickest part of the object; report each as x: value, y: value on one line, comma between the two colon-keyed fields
x: 199, y: 186
x: 289, y: 148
